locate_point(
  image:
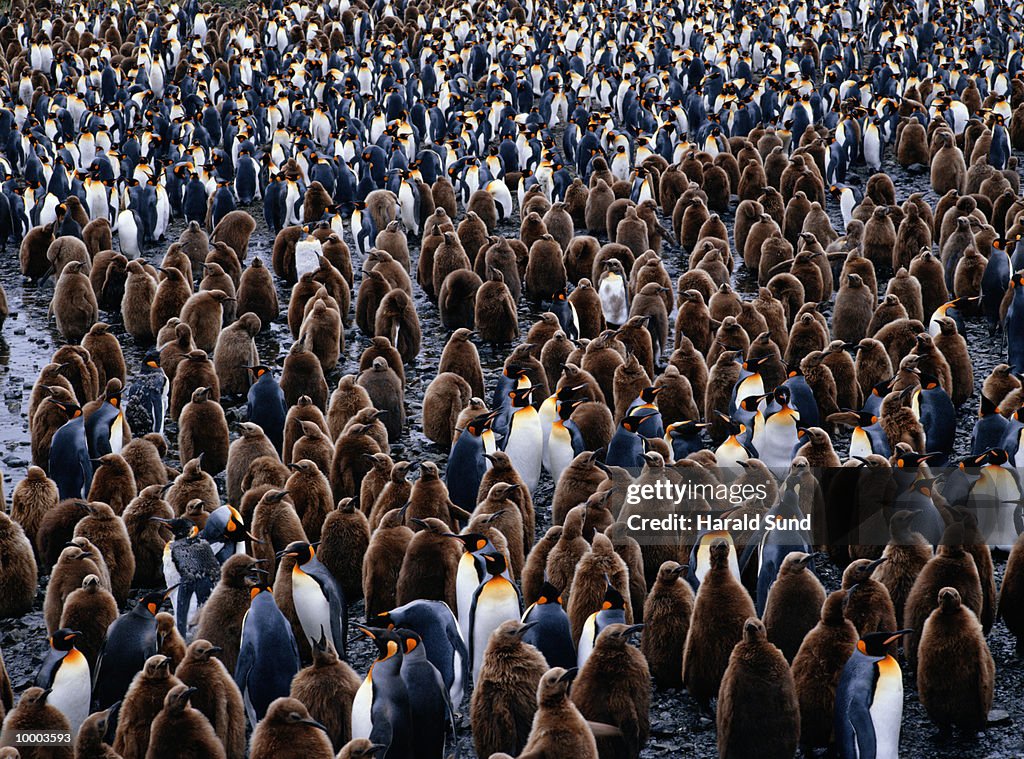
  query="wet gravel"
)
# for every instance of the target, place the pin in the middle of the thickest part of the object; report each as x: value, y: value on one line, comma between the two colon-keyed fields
x: 28, y: 339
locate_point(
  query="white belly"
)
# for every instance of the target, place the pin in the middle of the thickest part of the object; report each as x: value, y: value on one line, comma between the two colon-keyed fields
x: 72, y: 691
x: 311, y: 606
x: 496, y: 605
x: 585, y: 645
x: 887, y: 713
x: 526, y: 446
x: 466, y: 582
x: 362, y: 723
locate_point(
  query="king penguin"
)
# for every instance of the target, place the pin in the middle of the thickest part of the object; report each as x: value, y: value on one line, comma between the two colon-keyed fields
x: 466, y: 462
x: 131, y: 639
x: 869, y: 700
x: 380, y: 710
x: 550, y: 632
x: 65, y: 675
x: 70, y: 465
x: 268, y: 657
x: 318, y: 599
x: 612, y: 612
x: 525, y: 441
x: 105, y: 429
x: 443, y: 641
x: 496, y: 600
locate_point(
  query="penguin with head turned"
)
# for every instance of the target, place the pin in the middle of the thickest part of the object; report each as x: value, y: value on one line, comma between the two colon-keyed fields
x: 318, y: 599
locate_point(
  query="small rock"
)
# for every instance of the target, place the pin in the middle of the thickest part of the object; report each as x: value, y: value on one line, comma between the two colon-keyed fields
x: 999, y: 717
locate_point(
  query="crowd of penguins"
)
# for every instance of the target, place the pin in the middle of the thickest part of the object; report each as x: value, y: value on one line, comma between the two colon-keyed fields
x: 189, y: 616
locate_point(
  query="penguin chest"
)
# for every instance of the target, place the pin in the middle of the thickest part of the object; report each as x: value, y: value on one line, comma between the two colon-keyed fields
x: 307, y: 257
x: 311, y: 605
x: 526, y: 444
x: 613, y: 299
x: 72, y: 689
x: 887, y: 709
x: 362, y: 704
x: 466, y: 582
x: 117, y: 433
x: 560, y: 450
x: 860, y: 443
x: 586, y: 642
x: 496, y: 602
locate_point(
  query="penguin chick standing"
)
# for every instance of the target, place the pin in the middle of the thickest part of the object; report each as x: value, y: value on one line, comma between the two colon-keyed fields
x: 758, y: 674
x: 558, y: 727
x: 667, y: 613
x: 614, y: 688
x: 955, y: 670
x: 719, y: 615
x: 288, y: 730
x: 504, y: 699
x: 181, y: 732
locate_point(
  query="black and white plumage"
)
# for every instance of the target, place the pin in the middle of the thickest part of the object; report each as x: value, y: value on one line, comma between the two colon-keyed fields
x: 145, y: 398
x: 191, y: 565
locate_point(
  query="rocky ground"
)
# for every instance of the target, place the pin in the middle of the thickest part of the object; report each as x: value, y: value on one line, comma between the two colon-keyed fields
x: 27, y: 340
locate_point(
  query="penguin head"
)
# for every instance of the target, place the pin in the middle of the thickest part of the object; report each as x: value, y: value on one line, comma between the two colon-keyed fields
x: 64, y: 639
x: 875, y: 644
x: 472, y: 542
x: 670, y: 571
x: 753, y: 630
x: 494, y: 562
x: 388, y: 642
x: 299, y: 550
x: 554, y: 686
x: 72, y: 410
x: 949, y: 600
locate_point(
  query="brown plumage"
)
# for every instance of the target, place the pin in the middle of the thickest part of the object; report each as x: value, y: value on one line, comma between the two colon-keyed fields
x: 245, y: 449
x: 310, y: 493
x: 613, y: 687
x: 289, y: 730
x: 69, y: 572
x: 303, y: 375
x: 107, y: 532
x: 445, y: 398
x: 193, y: 484
x: 794, y: 604
x: 667, y: 612
x: 220, y: 619
x: 91, y: 743
x: 276, y: 524
x: 559, y: 729
x: 955, y: 670
x: 567, y: 551
x: 906, y: 554
x: 594, y: 571
x: 952, y: 567
x: 383, y: 562
x: 148, y: 537
x: 203, y: 431
x: 216, y: 696
x: 327, y: 688
x: 817, y: 668
x: 758, y: 674
x: 170, y: 642
x: 137, y: 303
x: 142, y: 703
x: 182, y: 731
x: 430, y: 565
x: 1011, y: 594
x: 34, y: 714
x: 536, y: 562
x: 90, y: 610
x: 106, y: 353
x: 33, y: 497
x: 113, y: 482
x: 504, y: 696
x: 719, y: 614
x: 869, y: 607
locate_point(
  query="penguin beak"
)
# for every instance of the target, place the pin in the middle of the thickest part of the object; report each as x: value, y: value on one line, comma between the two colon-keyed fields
x: 569, y: 675
x: 313, y: 723
x: 168, y: 591
x: 877, y: 563
x: 525, y: 628
x: 897, y: 635
x: 373, y: 749
x: 632, y: 629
